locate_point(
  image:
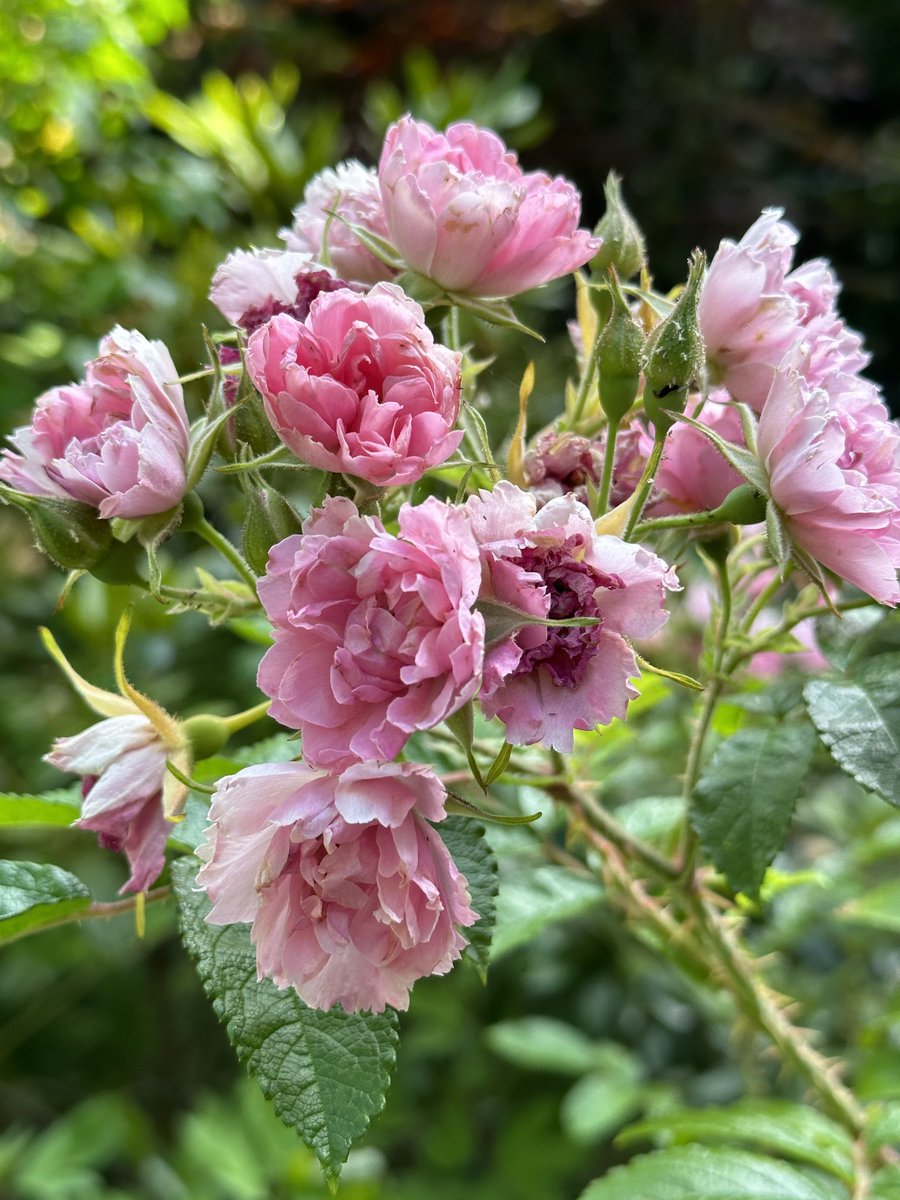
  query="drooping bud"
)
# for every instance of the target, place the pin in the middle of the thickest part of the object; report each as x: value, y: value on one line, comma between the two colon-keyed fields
x: 269, y: 519
x: 619, y: 352
x: 674, y: 353
x: 67, y: 531
x: 623, y: 243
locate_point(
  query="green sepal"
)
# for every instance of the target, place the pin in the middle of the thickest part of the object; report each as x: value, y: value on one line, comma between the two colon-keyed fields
x: 460, y: 807
x: 70, y: 533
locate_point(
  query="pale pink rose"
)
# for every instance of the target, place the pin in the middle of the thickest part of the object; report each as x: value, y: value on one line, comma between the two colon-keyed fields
x: 542, y: 682
x: 834, y: 473
x: 558, y: 463
x: 375, y: 634
x: 746, y: 315
x: 360, y: 386
x: 833, y: 347
x: 352, y: 894
x: 251, y: 286
x: 123, y: 761
x: 118, y: 441
x: 693, y: 475
x: 334, y: 200
x: 461, y: 212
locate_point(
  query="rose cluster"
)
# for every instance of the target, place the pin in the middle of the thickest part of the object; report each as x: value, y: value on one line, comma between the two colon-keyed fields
x: 522, y: 598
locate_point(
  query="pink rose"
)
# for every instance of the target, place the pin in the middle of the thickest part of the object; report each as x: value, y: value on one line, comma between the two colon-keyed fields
x: 375, y: 635
x: 333, y: 200
x: 833, y: 347
x: 746, y: 315
x: 251, y: 286
x: 542, y: 682
x: 693, y: 475
x: 352, y: 894
x: 360, y: 386
x: 461, y: 211
x: 118, y: 441
x: 833, y: 461
x: 123, y: 761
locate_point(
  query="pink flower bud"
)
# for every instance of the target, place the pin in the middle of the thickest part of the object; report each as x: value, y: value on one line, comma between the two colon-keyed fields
x: 360, y: 386
x: 352, y: 894
x: 461, y: 212
x: 118, y: 441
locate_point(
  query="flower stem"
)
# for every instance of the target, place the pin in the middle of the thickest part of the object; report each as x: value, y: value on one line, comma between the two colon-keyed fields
x: 98, y: 909
x: 587, y: 379
x: 242, y: 719
x: 676, y: 521
x: 221, y: 543
x: 609, y: 459
x: 642, y: 491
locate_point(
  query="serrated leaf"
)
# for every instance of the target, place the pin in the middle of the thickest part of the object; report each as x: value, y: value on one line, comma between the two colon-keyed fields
x: 473, y: 855
x: 859, y: 721
x: 702, y: 1173
x: 879, y: 907
x: 841, y: 638
x: 35, y: 894
x: 326, y: 1073
x: 743, y: 803
x: 794, y: 1130
x: 534, y: 897
x: 60, y: 809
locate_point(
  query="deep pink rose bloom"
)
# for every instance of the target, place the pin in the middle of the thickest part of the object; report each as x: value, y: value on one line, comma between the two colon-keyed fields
x: 352, y: 894
x: 123, y: 761
x: 833, y: 461
x: 118, y: 441
x: 375, y: 635
x: 350, y: 191
x: 542, y: 682
x: 360, y: 386
x: 251, y: 286
x: 461, y: 211
x: 693, y: 476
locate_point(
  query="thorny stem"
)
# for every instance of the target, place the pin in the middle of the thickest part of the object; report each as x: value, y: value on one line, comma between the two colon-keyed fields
x: 98, y: 909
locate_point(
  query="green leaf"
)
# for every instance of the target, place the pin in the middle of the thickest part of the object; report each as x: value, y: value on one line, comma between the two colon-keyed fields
x: 859, y: 720
x: 879, y: 908
x: 537, y: 896
x: 326, y: 1073
x: 465, y: 840
x: 886, y: 1184
x: 743, y: 803
x: 35, y: 894
x: 793, y: 1130
x: 545, y: 1044
x: 60, y: 809
x: 702, y: 1173
x: 599, y: 1103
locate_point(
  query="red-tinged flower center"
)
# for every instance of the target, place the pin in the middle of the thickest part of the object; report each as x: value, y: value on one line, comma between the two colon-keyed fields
x: 571, y: 585
x: 309, y: 285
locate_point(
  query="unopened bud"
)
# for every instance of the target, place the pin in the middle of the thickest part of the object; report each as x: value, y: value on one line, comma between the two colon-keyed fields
x: 619, y: 352
x: 742, y: 506
x: 674, y: 354
x: 269, y: 519
x: 206, y: 734
x: 67, y: 531
x: 623, y: 242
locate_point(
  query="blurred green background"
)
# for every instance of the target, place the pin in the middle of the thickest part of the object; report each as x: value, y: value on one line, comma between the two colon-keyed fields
x: 141, y: 141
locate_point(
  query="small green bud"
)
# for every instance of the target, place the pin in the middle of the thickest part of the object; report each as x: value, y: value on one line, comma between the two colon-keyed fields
x: 123, y: 564
x: 742, y: 506
x: 269, y: 519
x: 250, y: 423
x: 619, y: 352
x: 205, y: 734
x: 623, y: 242
x: 67, y: 531
x: 674, y: 354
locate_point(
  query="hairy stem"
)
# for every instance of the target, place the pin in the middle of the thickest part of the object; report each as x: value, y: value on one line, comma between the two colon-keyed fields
x: 221, y: 543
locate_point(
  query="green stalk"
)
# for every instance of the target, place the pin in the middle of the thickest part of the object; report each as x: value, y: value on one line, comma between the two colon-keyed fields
x: 221, y: 543
x: 642, y: 491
